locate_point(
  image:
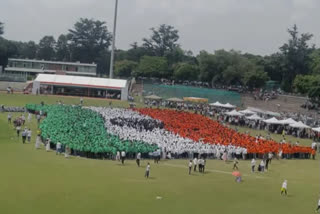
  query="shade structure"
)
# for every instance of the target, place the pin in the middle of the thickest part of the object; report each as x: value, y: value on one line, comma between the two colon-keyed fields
x: 272, y: 121
x: 288, y: 121
x: 234, y: 113
x: 299, y: 125
x: 228, y: 105
x: 260, y: 111
x: 175, y: 99
x: 153, y: 97
x: 196, y: 99
x: 247, y: 112
x: 217, y: 104
x: 254, y: 117
x: 316, y: 129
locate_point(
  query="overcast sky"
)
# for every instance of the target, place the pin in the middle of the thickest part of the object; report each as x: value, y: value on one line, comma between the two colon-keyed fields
x: 255, y: 26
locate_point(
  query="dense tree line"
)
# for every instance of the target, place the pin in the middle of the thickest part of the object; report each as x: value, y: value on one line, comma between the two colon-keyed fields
x: 296, y: 66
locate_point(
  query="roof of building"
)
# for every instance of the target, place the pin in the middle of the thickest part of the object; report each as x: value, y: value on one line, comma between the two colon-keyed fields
x: 88, y: 82
x: 53, y: 62
x: 33, y: 70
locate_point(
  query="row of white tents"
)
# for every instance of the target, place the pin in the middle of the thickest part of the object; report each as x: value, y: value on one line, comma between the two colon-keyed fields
x: 220, y: 105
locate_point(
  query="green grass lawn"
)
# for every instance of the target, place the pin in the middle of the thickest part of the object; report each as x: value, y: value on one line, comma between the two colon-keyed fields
x: 36, y: 181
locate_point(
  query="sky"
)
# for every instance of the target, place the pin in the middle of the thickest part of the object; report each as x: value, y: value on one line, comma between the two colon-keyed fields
x: 253, y: 26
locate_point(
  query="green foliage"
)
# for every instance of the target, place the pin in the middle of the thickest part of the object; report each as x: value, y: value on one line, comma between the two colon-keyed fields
x: 315, y: 61
x: 296, y: 55
x: 255, y: 78
x: 152, y: 66
x: 314, y: 94
x: 163, y: 40
x: 47, y: 48
x: 125, y: 68
x: 304, y: 83
x: 29, y: 50
x: 185, y: 71
x: 62, y: 48
x: 83, y: 130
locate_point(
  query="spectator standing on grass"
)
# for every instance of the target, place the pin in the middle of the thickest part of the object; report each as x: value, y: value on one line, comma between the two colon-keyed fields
x: 253, y: 164
x: 58, y: 149
x: 29, y: 117
x: 18, y: 129
x: 24, y: 136
x: 23, y: 118
x: 81, y: 101
x: 123, y: 156
x: 29, y: 133
x: 38, y: 142
x: 38, y: 118
x: 284, y: 187
x: 200, y: 165
x: 146, y: 175
x: 138, y: 159
x: 195, y: 163
x: 262, y: 165
x: 190, y: 167
x: 48, y: 145
x: 118, y: 156
x: 9, y: 118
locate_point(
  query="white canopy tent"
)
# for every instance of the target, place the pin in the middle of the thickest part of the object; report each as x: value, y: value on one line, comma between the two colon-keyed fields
x: 273, y: 121
x: 300, y: 125
x: 254, y: 117
x: 316, y: 129
x: 234, y: 113
x: 216, y: 104
x: 247, y: 112
x: 288, y: 121
x: 260, y: 111
x: 228, y: 105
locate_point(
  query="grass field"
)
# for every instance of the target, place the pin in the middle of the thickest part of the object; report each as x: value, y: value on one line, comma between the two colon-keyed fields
x: 35, y: 181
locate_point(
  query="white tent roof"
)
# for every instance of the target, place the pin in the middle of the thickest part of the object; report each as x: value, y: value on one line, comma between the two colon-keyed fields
x: 217, y: 104
x: 300, y: 125
x: 228, y: 105
x: 89, y: 82
x: 271, y: 113
x: 288, y: 121
x: 247, y: 111
x: 234, y: 113
x: 272, y: 121
x: 254, y: 117
x: 316, y: 129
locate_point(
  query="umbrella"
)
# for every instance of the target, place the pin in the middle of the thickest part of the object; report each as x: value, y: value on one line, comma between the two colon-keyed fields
x: 236, y: 173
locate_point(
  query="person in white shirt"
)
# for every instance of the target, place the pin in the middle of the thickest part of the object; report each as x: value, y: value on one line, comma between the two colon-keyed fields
x: 262, y: 165
x: 284, y: 187
x: 146, y: 175
x: 195, y: 163
x: 118, y: 156
x: 29, y: 117
x: 58, y: 149
x: 318, y: 205
x: 48, y: 145
x: 190, y: 167
x: 253, y: 164
x: 123, y: 156
x: 9, y: 118
x: 138, y: 159
x: 29, y: 133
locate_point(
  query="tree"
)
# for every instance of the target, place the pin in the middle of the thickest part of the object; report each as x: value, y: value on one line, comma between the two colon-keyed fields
x: 29, y: 50
x: 125, y: 68
x: 185, y: 71
x: 62, y: 48
x: 255, y: 78
x: 1, y: 28
x: 162, y: 41
x: 152, y: 66
x: 47, y: 48
x: 296, y: 57
x: 304, y: 83
x: 315, y: 61
x: 88, y: 40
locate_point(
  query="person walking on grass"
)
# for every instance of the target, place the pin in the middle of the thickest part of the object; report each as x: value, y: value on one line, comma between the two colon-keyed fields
x: 138, y: 159
x: 262, y: 165
x: 58, y: 149
x: 190, y: 167
x: 253, y: 165
x: 9, y: 118
x: 195, y: 163
x: 146, y: 175
x: 284, y: 187
x: 29, y: 133
x: 48, y: 145
x: 123, y: 156
x: 24, y: 136
x: 317, y: 210
x: 235, y: 164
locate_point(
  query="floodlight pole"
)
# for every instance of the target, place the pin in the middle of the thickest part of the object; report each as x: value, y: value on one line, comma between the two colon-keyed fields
x: 113, y: 39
